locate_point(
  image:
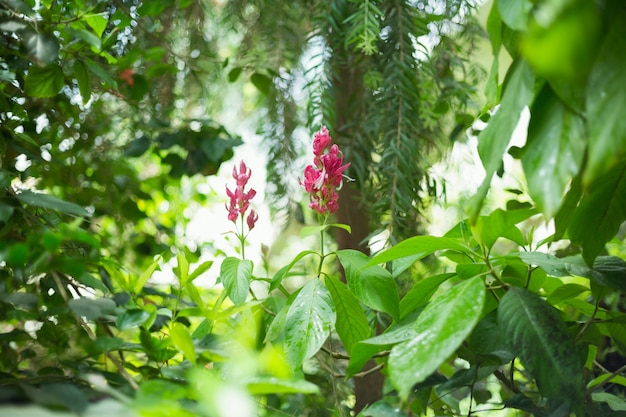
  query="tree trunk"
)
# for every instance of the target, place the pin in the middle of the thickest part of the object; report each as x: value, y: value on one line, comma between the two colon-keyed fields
x: 349, y: 94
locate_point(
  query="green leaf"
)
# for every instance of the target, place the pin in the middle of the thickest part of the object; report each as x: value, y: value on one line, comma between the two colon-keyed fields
x: 367, y: 348
x: 278, y: 277
x: 441, y: 329
x: 614, y: 402
x: 44, y: 81
x: 182, y: 269
x: 236, y: 275
x: 494, y: 139
x: 262, y: 82
x: 308, y: 322
x: 490, y: 228
x: 372, y: 285
x: 82, y: 77
x: 97, y: 22
x: 539, y: 336
x: 420, y: 246
x: 608, y: 271
x: 234, y: 74
x: 382, y: 409
x: 43, y: 48
x: 600, y: 213
x: 351, y: 323
x: 421, y: 293
x: 316, y: 230
x: 566, y: 292
x: 51, y: 202
x: 92, y: 308
x: 554, y: 151
x: 200, y: 269
x: 264, y: 385
x: 98, y: 70
x: 180, y: 337
x: 131, y: 318
x: 606, y: 97
x: 515, y: 13
x: 141, y: 280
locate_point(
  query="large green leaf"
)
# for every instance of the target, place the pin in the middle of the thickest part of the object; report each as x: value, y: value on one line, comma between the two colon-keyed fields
x: 372, y: 285
x: 554, y: 151
x: 308, y: 323
x: 515, y: 13
x: 50, y: 202
x: 441, y: 329
x: 351, y: 323
x: 494, y: 139
x: 44, y: 81
x: 606, y: 98
x: 418, y: 245
x: 236, y: 275
x: 600, y: 213
x: 539, y: 336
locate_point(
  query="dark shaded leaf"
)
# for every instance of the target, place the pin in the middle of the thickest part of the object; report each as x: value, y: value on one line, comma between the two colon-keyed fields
x: 539, y: 336
x: 44, y: 81
x: 50, y: 202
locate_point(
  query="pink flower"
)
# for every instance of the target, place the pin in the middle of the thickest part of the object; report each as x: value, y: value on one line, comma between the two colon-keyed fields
x: 322, y: 179
x: 321, y: 141
x: 239, y: 199
x: 243, y: 175
x: 251, y: 219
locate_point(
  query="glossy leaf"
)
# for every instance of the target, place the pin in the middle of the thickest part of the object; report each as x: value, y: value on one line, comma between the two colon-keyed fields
x: 308, y: 322
x: 372, y: 285
x: 236, y: 275
x: 180, y: 337
x: 441, y: 329
x: 554, y: 151
x: 541, y: 339
x: 600, y: 213
x: 351, y: 323
x: 417, y: 245
x: 606, y: 97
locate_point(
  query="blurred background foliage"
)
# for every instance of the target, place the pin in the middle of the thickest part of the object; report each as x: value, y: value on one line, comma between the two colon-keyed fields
x: 114, y: 113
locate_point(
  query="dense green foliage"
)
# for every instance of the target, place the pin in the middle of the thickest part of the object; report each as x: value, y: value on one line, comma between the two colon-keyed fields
x: 103, y: 111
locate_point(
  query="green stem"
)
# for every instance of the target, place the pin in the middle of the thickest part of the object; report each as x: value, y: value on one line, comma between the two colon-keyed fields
x: 242, y: 238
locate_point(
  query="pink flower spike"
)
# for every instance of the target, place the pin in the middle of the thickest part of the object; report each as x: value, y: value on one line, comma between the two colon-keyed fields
x: 321, y: 141
x: 325, y: 176
x: 243, y: 175
x: 251, y: 219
